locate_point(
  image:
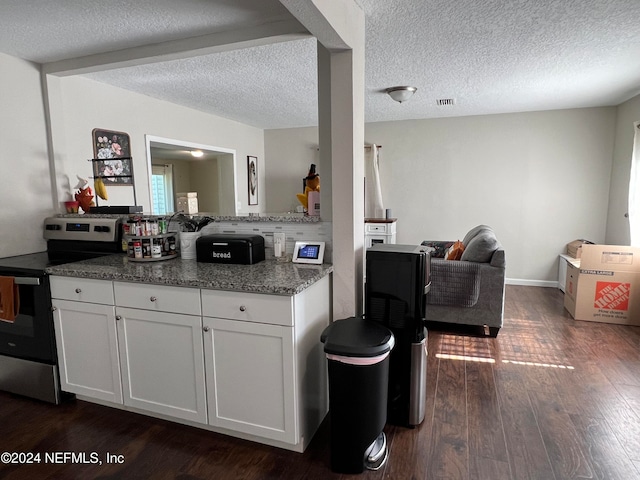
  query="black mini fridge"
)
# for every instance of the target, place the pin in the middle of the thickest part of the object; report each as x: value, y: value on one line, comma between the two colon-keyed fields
x: 398, y: 277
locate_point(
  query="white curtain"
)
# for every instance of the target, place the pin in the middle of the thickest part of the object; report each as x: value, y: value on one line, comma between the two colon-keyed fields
x: 634, y: 189
x: 373, y: 205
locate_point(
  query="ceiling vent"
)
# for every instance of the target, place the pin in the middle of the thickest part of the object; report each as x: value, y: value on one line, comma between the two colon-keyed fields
x: 445, y: 102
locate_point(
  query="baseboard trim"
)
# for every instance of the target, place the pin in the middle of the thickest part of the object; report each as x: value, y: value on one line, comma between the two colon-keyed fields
x: 531, y: 283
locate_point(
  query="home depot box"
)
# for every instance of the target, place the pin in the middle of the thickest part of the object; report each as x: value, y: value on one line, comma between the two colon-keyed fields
x: 608, y: 285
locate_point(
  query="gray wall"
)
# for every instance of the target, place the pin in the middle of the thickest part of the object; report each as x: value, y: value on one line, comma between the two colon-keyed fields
x: 540, y: 179
x: 25, y: 185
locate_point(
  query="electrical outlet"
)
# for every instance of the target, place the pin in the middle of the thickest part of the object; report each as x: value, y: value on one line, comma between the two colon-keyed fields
x: 279, y: 244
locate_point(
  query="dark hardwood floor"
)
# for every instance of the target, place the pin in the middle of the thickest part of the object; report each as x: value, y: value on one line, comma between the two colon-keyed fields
x: 549, y: 398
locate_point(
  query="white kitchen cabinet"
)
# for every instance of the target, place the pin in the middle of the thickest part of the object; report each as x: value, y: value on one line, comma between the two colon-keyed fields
x: 243, y: 364
x: 162, y: 362
x: 87, y: 348
x: 264, y: 364
x: 249, y: 358
x: 140, y: 358
x: 250, y: 378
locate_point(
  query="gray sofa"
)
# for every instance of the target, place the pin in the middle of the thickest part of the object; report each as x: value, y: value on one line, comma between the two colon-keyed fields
x: 469, y: 291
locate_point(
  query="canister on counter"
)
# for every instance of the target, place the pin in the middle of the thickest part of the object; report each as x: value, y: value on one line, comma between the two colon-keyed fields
x: 137, y: 249
x: 146, y: 248
x: 156, y: 247
x: 162, y: 225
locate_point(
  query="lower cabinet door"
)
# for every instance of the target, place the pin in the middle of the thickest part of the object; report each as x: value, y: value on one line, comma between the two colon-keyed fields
x: 162, y: 363
x: 87, y: 345
x: 250, y: 378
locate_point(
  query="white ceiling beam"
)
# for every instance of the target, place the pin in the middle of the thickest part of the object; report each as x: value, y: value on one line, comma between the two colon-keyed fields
x: 328, y: 20
x: 281, y: 31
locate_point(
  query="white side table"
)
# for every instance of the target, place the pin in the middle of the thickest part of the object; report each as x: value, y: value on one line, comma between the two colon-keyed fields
x: 562, y: 269
x: 379, y: 230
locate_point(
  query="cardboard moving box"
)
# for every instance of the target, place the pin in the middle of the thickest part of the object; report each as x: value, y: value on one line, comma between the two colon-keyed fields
x: 607, y: 286
x: 574, y: 249
x: 571, y: 287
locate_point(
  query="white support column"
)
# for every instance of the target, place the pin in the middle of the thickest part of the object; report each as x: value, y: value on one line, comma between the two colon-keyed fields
x: 61, y: 184
x: 339, y: 28
x: 342, y: 139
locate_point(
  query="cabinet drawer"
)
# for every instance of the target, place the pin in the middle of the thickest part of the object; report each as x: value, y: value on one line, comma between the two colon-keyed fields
x: 376, y: 227
x: 157, y: 298
x: 248, y: 307
x: 82, y: 290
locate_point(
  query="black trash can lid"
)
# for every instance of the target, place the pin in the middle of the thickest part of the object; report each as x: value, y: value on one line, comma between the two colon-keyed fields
x: 356, y: 337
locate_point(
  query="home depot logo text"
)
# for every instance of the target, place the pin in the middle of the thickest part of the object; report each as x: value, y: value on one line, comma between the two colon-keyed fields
x: 612, y: 296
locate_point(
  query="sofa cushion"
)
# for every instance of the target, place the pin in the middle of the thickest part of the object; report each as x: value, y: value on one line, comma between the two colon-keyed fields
x: 481, y: 247
x: 471, y: 234
x: 455, y: 284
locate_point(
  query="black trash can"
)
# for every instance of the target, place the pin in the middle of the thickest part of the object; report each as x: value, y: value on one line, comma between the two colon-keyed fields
x: 358, y: 361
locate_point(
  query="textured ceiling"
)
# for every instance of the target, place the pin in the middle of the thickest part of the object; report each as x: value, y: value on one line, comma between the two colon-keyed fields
x: 490, y: 56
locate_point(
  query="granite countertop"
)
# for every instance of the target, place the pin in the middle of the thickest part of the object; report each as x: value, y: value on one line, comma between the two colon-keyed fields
x: 256, y: 217
x: 269, y: 276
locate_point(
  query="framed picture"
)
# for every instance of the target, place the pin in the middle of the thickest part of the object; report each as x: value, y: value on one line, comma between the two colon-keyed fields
x: 252, y: 174
x: 112, y: 157
x: 114, y: 171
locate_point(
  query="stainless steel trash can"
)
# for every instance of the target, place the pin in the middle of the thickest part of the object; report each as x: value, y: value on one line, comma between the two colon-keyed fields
x: 358, y: 363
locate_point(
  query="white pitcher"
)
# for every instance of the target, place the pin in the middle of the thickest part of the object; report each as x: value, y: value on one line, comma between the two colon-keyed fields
x: 188, y: 244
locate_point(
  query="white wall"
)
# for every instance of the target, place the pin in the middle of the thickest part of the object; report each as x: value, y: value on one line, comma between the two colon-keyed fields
x: 540, y: 179
x: 25, y: 186
x: 288, y: 155
x: 617, y: 223
x: 80, y: 105
x: 204, y: 176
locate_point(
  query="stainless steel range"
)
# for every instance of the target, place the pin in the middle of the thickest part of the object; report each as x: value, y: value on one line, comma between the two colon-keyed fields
x: 28, y: 360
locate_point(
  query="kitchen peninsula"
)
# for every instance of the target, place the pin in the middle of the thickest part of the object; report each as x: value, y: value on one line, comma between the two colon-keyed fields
x: 231, y: 348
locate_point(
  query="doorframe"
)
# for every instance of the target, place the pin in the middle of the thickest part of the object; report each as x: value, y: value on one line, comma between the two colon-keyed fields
x: 149, y: 139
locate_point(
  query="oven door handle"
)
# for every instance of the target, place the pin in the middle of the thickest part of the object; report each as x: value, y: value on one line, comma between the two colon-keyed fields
x: 26, y: 280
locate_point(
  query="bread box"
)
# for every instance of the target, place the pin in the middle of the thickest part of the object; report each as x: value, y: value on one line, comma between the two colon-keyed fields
x: 230, y: 248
